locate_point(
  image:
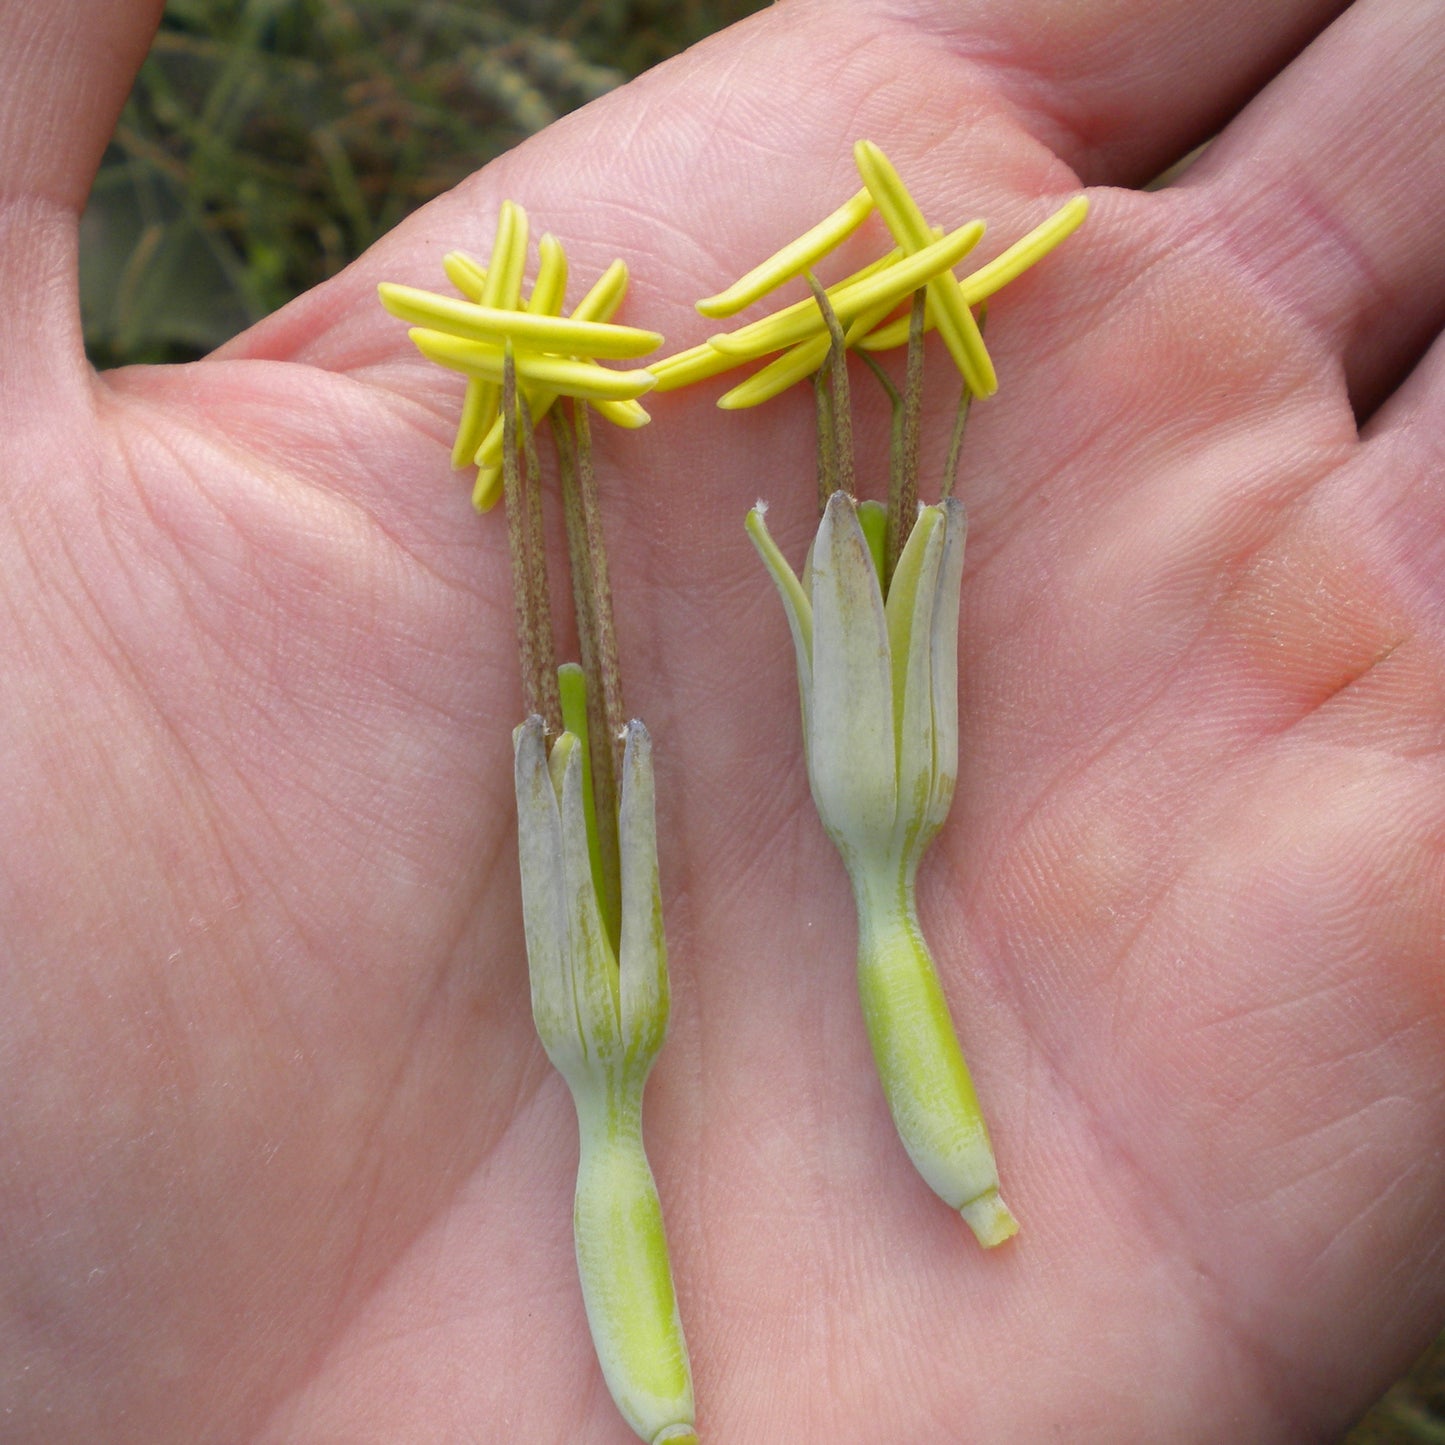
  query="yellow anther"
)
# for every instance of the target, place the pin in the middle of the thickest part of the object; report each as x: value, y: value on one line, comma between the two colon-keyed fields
x: 1010, y: 264
x: 526, y: 330
x: 627, y: 414
x: 697, y: 363
x: 793, y: 366
x: 795, y: 258
x: 550, y: 288
x: 479, y: 415
x: 1007, y: 266
x: 557, y: 373
x: 501, y: 288
x: 487, y: 490
x: 466, y: 273
x: 602, y: 301
x: 598, y: 305
x: 956, y: 323
x: 797, y: 363
x: 744, y: 343
x: 879, y: 291
x: 509, y: 259
x: 549, y: 291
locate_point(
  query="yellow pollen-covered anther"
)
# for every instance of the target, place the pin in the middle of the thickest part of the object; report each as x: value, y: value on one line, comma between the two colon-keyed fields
x: 956, y: 323
x: 884, y: 288
x: 1006, y: 267
x: 794, y: 258
x: 466, y: 273
x: 527, y: 330
x: 502, y: 288
x: 576, y: 378
x: 796, y: 363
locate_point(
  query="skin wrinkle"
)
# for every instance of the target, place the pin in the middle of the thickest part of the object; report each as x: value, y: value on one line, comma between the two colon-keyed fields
x: 984, y: 522
x: 1252, y: 1349
x: 349, y: 1310
x: 1177, y: 665
x: 1255, y: 1355
x: 355, y: 520
x: 161, y: 437
x: 1298, y: 1410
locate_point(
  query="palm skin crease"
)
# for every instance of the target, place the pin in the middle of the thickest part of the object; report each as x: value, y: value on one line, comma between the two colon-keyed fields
x: 282, y: 1158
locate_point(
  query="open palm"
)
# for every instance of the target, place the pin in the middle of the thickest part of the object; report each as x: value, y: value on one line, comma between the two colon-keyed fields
x: 282, y: 1157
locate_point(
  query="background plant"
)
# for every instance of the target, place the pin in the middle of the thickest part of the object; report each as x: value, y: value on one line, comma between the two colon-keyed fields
x: 268, y: 142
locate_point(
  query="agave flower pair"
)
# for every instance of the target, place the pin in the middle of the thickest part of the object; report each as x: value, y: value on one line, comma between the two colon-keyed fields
x: 874, y: 621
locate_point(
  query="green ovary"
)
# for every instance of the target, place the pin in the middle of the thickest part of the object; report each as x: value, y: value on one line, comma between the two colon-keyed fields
x: 626, y: 1278
x: 920, y: 1063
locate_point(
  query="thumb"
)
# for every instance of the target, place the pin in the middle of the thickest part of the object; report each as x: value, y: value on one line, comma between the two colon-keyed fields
x: 65, y: 69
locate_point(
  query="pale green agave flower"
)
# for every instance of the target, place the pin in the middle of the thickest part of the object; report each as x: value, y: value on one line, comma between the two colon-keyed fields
x: 602, y: 1017
x: 879, y: 686
x: 587, y: 837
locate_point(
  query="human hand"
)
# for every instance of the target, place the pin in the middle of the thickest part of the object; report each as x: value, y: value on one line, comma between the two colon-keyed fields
x: 283, y: 1158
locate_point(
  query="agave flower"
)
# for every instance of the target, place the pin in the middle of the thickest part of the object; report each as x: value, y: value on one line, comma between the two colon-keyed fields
x: 587, y: 841
x: 878, y: 683
x: 874, y: 620
x: 601, y: 1013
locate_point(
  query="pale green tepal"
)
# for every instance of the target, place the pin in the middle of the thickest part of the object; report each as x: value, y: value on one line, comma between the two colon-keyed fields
x: 602, y: 1015
x: 879, y: 687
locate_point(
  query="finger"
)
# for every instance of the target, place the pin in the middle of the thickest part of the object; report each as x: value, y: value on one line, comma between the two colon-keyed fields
x: 1332, y: 183
x: 1405, y: 488
x: 65, y: 70
x: 1118, y: 89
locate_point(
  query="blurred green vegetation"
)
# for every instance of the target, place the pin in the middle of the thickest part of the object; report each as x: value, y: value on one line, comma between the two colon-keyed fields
x: 268, y: 142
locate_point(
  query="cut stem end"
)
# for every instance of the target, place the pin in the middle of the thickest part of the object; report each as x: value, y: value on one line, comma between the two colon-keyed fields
x: 990, y: 1219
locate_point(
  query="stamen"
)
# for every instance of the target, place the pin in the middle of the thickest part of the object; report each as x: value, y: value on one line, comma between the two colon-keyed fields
x: 794, y: 258
x: 628, y: 414
x: 827, y: 467
x: 796, y: 363
x: 902, y: 216
x: 1028, y: 251
x: 502, y: 287
x: 558, y: 373
x: 841, y: 409
x: 479, y: 411
x: 697, y: 363
x: 903, y: 471
x: 599, y: 304
x: 885, y: 286
x: 549, y: 290
x: 596, y: 641
x: 960, y: 424
x: 466, y: 273
x: 1006, y: 267
x: 527, y: 330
